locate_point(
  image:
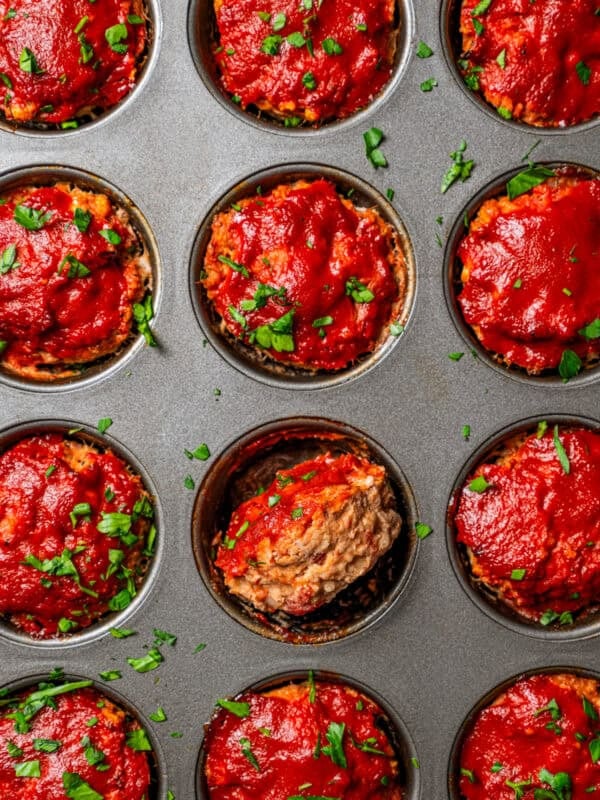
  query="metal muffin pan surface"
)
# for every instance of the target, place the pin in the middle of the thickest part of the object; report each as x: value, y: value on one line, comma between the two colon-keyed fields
x: 175, y: 151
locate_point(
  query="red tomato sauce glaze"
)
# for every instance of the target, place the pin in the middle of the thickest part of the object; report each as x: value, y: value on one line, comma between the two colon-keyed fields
x: 533, y: 528
x: 541, y: 734
x: 308, y: 60
x: 538, y: 62
x: 304, y: 276
x: 63, y: 58
x: 531, y: 283
x: 308, y: 740
x: 73, y: 521
x: 267, y: 514
x: 66, y: 292
x: 79, y: 744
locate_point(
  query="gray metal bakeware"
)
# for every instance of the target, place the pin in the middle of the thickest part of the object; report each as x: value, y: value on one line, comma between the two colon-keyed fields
x: 175, y: 150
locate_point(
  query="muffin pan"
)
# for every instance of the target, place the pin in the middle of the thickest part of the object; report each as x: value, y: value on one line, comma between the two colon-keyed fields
x: 175, y: 150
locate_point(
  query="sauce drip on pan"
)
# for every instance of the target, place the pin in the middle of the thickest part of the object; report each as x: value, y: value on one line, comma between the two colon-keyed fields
x: 304, y: 275
x: 315, y: 59
x: 539, y: 737
x: 289, y: 745
x: 61, y: 58
x: 535, y: 61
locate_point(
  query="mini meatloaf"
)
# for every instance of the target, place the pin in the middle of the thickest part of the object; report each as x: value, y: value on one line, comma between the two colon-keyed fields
x: 66, y: 740
x: 530, y: 278
x: 538, y: 62
x: 64, y: 60
x: 313, y: 739
x: 538, y: 738
x: 75, y: 534
x: 72, y: 269
x: 305, y: 61
x: 529, y: 517
x: 317, y: 528
x: 303, y: 277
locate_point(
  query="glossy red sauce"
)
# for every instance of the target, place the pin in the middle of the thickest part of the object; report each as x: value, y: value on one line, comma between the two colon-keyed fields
x: 267, y: 516
x: 513, y: 734
x: 535, y: 517
x: 308, y: 243
x: 66, y: 83
x: 128, y: 775
x: 286, y: 736
x: 543, y: 42
x: 343, y: 82
x: 547, y: 243
x: 35, y: 521
x: 42, y: 309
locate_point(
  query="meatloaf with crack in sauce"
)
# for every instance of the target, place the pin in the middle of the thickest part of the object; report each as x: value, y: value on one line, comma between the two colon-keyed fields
x: 66, y: 740
x: 316, y: 528
x: 529, y: 517
x: 304, y: 62
x: 530, y: 278
x: 64, y: 60
x: 76, y: 532
x: 538, y: 738
x: 314, y: 739
x: 537, y: 62
x: 303, y: 277
x: 72, y: 269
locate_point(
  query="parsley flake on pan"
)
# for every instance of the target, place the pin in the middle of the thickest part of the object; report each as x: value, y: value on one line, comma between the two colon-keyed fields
x: 460, y: 169
x: 373, y: 138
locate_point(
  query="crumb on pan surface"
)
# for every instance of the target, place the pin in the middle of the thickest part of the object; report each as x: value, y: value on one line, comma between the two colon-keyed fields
x: 531, y: 528
x: 72, y: 268
x: 304, y: 62
x: 535, y: 62
x: 65, y: 739
x: 530, y: 282
x: 75, y: 522
x: 304, y: 278
x: 325, y: 737
x: 63, y: 60
x: 316, y: 528
x: 536, y: 738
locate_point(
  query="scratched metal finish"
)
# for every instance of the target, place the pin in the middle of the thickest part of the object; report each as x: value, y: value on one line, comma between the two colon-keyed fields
x: 175, y: 150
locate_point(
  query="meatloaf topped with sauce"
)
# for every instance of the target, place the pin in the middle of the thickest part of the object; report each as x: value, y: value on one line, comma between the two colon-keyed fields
x: 529, y: 273
x: 314, y: 530
x: 304, y: 62
x: 64, y: 740
x: 72, y: 269
x: 538, y: 740
x: 529, y: 517
x: 327, y: 738
x: 64, y: 60
x: 301, y: 276
x: 76, y: 533
x: 533, y: 61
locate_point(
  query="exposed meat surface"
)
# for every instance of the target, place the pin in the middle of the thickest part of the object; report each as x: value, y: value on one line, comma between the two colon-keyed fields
x: 317, y: 528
